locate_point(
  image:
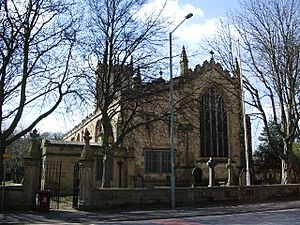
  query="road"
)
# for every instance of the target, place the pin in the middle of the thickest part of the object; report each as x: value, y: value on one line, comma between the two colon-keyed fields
x: 285, y: 213
x: 284, y: 217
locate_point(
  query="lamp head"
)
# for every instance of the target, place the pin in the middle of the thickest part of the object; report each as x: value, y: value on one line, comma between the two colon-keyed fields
x: 188, y: 16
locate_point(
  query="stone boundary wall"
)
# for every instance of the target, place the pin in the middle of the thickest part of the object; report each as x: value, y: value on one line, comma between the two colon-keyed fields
x: 160, y: 196
x: 14, y: 198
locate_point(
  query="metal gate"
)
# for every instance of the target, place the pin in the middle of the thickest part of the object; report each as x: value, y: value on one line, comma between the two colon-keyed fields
x: 75, y: 185
x: 50, y: 179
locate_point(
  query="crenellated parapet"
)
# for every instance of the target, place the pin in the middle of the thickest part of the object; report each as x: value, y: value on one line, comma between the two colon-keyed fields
x: 77, y: 133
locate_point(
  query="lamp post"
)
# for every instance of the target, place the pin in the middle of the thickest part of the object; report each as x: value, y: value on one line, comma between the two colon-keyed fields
x: 172, y: 180
x: 247, y: 157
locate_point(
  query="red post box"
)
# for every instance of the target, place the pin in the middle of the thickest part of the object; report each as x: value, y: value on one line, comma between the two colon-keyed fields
x: 44, y: 201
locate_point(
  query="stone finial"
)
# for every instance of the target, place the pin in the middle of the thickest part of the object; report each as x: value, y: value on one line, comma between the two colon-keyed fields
x: 131, y: 66
x: 34, y: 149
x: 87, y: 152
x: 183, y: 56
x: 184, y: 68
x: 160, y: 73
x: 212, y: 59
x: 131, y: 61
x: 34, y: 135
x: 86, y: 175
x: 136, y: 77
x: 237, y: 68
x: 87, y: 137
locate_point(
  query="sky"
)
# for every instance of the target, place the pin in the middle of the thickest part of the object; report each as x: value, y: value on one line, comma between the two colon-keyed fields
x: 206, y: 14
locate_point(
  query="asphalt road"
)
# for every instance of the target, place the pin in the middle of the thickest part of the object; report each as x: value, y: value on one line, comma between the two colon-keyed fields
x: 261, y: 213
x: 284, y: 217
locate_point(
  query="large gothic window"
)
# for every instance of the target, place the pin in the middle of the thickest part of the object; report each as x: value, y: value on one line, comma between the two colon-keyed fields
x: 213, y: 125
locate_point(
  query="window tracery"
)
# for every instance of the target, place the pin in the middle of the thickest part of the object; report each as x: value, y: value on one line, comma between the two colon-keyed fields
x: 213, y: 124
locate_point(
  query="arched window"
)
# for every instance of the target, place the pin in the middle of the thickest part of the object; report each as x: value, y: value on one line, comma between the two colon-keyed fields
x: 213, y: 125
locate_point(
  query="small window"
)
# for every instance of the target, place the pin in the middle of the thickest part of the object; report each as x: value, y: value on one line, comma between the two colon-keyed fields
x: 157, y: 161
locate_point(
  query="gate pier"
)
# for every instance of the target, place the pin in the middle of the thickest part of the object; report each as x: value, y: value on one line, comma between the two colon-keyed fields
x: 86, y: 175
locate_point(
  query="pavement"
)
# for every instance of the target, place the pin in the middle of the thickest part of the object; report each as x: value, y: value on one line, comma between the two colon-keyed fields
x: 69, y: 215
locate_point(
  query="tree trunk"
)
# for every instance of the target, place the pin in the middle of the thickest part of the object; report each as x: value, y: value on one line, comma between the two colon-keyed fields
x: 286, y: 170
x: 286, y: 177
x: 2, y: 151
x: 106, y: 170
x: 107, y: 154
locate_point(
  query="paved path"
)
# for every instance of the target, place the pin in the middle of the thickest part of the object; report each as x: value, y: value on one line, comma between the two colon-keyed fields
x: 69, y: 215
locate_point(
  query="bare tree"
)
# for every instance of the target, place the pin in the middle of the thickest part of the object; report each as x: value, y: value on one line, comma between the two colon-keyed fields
x: 37, y: 39
x: 124, y: 40
x: 270, y: 42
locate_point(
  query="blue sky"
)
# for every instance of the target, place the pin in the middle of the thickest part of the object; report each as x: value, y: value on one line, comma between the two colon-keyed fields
x: 203, y: 25
x: 206, y: 15
x: 212, y: 8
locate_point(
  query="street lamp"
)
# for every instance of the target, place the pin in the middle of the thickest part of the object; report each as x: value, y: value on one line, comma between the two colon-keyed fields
x: 172, y: 180
x: 247, y: 165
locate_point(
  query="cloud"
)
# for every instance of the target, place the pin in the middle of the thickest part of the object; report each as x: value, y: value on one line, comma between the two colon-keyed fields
x: 191, y: 31
x: 173, y: 10
x: 195, y: 32
x: 176, y: 11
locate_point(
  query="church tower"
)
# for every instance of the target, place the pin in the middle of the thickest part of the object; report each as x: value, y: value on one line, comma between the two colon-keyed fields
x: 184, y: 69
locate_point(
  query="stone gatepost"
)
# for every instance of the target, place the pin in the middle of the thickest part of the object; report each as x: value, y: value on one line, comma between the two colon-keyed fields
x: 86, y: 175
x: 211, y: 177
x: 32, y: 178
x: 229, y: 167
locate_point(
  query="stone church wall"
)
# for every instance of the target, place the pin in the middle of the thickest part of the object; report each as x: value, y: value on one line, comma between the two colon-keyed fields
x: 188, y: 88
x: 187, y: 143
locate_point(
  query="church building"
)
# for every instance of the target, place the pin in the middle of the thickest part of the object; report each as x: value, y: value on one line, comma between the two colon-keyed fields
x: 208, y: 124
